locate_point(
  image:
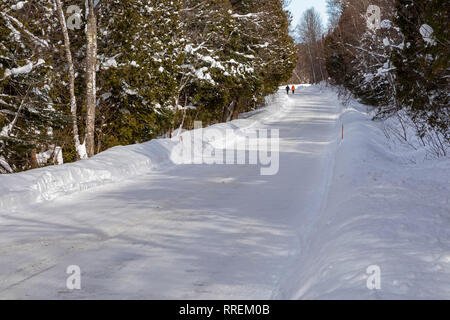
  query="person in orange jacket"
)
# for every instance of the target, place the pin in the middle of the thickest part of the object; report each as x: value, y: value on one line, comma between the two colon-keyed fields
x: 293, y: 89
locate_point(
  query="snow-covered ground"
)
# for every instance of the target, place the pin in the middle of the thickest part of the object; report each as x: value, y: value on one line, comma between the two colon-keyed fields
x: 386, y: 207
x: 141, y: 226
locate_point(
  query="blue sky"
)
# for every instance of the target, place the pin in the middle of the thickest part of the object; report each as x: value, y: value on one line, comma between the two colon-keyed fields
x: 297, y: 7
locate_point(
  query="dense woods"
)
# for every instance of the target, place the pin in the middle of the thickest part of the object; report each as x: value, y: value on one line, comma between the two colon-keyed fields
x: 391, y: 54
x: 78, y: 77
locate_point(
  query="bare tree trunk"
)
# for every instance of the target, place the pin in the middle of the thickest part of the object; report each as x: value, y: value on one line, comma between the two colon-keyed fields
x: 319, y: 49
x: 297, y: 76
x: 91, y: 65
x: 69, y: 60
x: 312, y: 63
x: 99, y: 136
x: 34, y: 162
x: 321, y: 71
x: 184, y: 116
x: 231, y: 111
x: 9, y: 128
x: 228, y: 111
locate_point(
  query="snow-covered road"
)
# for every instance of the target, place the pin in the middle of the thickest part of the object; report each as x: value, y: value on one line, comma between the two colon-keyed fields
x: 189, y: 231
x: 338, y: 215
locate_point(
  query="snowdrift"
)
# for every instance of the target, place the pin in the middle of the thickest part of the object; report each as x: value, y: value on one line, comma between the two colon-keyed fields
x: 386, y: 208
x: 115, y: 164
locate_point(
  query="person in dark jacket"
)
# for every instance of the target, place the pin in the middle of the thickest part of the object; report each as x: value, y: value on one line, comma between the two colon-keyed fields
x: 287, y: 89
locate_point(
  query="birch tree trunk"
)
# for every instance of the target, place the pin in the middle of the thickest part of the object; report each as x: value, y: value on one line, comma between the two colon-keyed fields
x: 69, y: 60
x: 91, y: 65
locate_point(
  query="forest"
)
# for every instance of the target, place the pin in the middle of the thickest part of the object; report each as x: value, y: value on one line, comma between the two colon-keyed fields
x: 392, y: 55
x: 79, y: 77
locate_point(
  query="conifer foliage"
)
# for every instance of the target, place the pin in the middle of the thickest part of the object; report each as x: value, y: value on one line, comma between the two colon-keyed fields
x: 155, y: 66
x: 29, y: 104
x: 422, y: 64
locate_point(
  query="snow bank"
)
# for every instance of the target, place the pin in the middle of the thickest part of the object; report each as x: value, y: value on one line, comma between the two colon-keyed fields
x: 112, y: 165
x: 115, y: 164
x: 381, y: 212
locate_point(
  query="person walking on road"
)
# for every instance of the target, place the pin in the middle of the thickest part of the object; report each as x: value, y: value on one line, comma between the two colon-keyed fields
x: 293, y: 89
x: 287, y: 89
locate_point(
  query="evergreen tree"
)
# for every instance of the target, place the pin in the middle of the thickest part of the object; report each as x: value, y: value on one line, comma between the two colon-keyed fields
x: 422, y: 64
x: 30, y: 111
x: 140, y: 49
x: 159, y: 65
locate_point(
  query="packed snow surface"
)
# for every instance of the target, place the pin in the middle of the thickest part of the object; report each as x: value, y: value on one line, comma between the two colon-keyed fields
x: 141, y: 226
